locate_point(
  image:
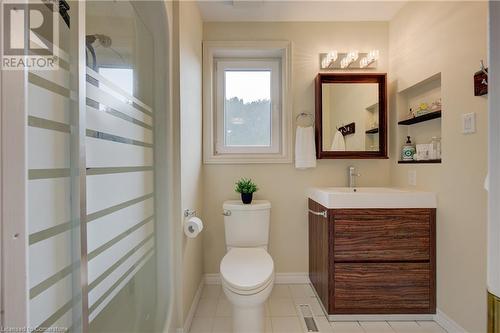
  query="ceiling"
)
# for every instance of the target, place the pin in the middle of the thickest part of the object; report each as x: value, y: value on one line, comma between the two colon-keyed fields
x: 306, y: 10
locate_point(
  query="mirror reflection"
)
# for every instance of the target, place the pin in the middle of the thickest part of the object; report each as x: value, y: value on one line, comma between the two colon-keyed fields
x: 350, y: 117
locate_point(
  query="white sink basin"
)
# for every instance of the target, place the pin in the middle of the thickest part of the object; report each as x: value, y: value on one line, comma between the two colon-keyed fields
x: 371, y: 197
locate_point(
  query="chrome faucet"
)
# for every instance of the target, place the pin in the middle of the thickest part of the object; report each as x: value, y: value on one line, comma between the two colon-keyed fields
x: 352, y: 176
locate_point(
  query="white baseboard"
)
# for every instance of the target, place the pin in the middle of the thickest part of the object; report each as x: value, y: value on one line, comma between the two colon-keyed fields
x: 292, y: 278
x: 212, y: 278
x: 447, y: 323
x: 281, y: 278
x: 194, y: 305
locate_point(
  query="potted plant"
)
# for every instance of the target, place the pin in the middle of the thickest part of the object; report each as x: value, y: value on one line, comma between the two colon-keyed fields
x: 246, y: 187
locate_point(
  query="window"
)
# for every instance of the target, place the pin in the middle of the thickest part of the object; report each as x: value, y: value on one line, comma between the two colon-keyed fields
x: 247, y: 106
x: 122, y: 77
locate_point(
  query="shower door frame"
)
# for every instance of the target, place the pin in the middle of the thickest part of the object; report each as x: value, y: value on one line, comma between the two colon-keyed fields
x: 14, y: 231
x: 78, y: 85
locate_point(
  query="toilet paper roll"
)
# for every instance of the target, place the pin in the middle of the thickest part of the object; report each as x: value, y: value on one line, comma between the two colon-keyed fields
x: 193, y: 226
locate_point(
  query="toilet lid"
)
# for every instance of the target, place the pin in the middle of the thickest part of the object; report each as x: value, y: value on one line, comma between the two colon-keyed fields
x: 247, y: 268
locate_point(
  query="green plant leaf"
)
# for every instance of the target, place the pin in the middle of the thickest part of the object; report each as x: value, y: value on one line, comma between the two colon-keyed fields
x: 246, y: 185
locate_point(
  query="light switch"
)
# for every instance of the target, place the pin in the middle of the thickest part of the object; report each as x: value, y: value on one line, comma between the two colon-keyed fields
x: 412, y: 177
x: 469, y: 123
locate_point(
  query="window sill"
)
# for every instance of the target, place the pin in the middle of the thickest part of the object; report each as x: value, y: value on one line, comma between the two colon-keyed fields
x: 239, y: 159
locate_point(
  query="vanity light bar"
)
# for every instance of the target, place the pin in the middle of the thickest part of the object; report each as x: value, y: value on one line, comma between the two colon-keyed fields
x: 349, y: 60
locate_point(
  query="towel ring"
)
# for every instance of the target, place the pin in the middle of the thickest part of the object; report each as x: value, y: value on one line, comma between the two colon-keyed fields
x: 303, y: 114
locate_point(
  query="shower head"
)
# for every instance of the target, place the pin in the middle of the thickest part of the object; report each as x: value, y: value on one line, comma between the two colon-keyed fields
x: 103, y: 40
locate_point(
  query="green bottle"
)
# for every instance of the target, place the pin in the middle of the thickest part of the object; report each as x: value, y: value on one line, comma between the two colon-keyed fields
x: 408, y: 150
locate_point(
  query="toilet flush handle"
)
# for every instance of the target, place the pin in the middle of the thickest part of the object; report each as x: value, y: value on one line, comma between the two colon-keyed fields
x: 226, y: 212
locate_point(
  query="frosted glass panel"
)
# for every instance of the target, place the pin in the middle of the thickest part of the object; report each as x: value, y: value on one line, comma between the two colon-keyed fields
x: 53, y: 224
x: 121, y: 214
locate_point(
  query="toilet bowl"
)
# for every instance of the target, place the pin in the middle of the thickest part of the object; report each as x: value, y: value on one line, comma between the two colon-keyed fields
x: 247, y: 276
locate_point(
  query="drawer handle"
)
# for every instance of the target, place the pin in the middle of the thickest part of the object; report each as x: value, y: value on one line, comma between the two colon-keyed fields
x: 323, y: 213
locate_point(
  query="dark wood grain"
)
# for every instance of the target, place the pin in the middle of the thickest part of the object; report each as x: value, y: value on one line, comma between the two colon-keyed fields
x: 381, y: 80
x: 375, y: 288
x: 389, y: 237
x: 318, y: 252
x: 374, y: 261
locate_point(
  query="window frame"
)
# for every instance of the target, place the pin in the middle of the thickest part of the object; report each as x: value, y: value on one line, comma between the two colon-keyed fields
x: 217, y: 53
x: 264, y: 64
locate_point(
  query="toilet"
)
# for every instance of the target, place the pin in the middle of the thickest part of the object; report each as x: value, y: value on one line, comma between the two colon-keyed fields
x: 247, y: 269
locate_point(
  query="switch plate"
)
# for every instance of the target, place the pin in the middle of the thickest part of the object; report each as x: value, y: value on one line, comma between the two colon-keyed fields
x: 412, y: 177
x: 469, y: 123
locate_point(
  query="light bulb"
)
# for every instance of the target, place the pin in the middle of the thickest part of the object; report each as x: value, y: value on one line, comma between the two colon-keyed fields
x: 364, y: 62
x: 344, y: 63
x: 332, y: 56
x: 373, y: 55
x: 353, y: 56
x: 324, y: 62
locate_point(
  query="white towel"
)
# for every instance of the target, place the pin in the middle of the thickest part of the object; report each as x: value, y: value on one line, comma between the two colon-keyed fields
x: 305, y: 148
x: 338, y: 143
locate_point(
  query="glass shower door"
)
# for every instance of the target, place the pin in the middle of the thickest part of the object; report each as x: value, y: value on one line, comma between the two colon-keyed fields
x: 53, y: 208
x: 120, y: 169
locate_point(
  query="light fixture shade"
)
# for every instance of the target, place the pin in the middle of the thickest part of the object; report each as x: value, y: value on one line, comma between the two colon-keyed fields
x: 329, y: 59
x: 353, y: 56
x: 372, y: 56
x: 364, y: 62
x: 344, y: 62
x: 333, y: 55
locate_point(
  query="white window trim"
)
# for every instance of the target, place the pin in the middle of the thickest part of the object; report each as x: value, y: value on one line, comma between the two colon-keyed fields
x: 232, y: 51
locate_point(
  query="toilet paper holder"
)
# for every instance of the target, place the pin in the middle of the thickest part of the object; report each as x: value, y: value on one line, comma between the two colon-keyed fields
x: 189, y: 212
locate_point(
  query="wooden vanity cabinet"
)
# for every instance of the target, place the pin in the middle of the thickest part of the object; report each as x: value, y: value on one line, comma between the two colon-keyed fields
x: 373, y: 261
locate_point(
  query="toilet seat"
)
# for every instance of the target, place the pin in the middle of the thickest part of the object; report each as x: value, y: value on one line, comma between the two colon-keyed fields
x: 247, y: 271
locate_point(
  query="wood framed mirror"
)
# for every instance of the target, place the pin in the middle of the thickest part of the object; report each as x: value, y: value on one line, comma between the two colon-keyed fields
x: 351, y: 116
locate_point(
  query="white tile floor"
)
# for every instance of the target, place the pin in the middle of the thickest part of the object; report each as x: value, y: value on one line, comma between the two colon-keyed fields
x: 213, y: 315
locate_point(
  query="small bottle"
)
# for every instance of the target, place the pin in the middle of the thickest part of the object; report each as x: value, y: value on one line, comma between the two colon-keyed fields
x: 436, y: 147
x: 408, y: 150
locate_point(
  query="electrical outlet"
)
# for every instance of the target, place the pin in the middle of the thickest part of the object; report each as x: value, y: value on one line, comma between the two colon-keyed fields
x: 469, y: 123
x: 412, y: 177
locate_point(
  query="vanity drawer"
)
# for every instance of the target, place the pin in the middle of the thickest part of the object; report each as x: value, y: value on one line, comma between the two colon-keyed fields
x: 382, y: 288
x: 393, y: 236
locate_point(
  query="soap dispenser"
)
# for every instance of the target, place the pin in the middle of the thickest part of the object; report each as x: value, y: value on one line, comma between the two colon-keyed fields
x: 408, y: 150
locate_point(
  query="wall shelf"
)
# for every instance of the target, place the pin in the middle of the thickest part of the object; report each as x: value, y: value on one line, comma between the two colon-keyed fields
x: 372, y: 131
x: 422, y: 118
x: 420, y: 162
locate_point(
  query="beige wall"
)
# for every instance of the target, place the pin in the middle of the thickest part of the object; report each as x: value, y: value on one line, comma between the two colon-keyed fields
x: 451, y: 38
x: 282, y: 184
x: 190, y: 39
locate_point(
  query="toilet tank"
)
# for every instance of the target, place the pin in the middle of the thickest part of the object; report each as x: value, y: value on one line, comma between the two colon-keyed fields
x: 247, y: 225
